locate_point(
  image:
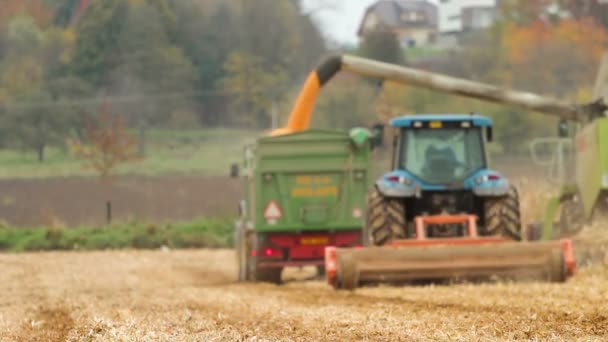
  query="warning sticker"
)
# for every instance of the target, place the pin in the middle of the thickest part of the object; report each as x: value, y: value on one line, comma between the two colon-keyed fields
x: 273, y: 212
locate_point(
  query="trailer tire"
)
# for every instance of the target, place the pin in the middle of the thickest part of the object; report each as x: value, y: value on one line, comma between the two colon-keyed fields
x: 386, y: 219
x: 269, y: 275
x: 502, y: 215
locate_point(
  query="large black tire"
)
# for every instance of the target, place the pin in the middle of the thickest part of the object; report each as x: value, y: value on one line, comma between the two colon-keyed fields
x: 502, y: 215
x: 248, y: 269
x: 386, y: 219
x: 268, y: 275
x: 259, y: 274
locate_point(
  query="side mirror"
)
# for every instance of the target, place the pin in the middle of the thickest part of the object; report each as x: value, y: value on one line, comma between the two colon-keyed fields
x: 563, y: 130
x: 489, y: 134
x: 234, y: 171
x: 377, y: 139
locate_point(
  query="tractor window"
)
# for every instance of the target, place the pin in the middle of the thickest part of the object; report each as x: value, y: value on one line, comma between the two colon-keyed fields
x: 440, y: 156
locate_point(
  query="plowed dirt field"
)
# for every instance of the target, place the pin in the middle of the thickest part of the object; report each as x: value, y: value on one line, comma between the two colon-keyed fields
x: 193, y: 296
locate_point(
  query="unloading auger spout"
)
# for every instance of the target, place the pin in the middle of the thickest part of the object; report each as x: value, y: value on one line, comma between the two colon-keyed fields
x: 301, y: 114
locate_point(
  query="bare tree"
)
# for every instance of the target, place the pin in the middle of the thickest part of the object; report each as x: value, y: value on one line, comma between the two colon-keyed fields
x: 108, y: 144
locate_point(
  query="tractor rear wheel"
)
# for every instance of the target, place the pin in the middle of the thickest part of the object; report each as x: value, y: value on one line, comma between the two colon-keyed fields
x: 502, y: 215
x: 386, y: 219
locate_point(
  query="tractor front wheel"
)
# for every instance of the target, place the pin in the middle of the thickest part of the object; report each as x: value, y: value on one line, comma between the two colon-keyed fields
x: 503, y: 217
x: 386, y: 219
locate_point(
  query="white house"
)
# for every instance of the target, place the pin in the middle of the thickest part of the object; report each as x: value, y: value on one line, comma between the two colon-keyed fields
x: 438, y: 23
x: 414, y: 22
x: 456, y: 16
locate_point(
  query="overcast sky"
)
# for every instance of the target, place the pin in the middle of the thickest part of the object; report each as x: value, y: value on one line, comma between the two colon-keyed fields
x: 339, y: 19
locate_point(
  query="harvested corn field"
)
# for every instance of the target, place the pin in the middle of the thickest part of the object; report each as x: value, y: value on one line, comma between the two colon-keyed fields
x: 193, y: 296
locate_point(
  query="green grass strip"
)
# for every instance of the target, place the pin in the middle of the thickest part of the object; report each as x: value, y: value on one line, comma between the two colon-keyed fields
x: 203, y: 233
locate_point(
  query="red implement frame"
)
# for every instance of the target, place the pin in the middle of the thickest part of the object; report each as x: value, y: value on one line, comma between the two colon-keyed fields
x: 472, y: 239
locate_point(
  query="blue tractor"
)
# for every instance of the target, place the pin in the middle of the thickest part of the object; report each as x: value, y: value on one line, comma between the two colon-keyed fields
x: 440, y: 167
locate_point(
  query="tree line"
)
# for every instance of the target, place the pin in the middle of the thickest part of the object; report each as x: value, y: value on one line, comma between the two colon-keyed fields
x: 161, y: 63
x: 210, y: 63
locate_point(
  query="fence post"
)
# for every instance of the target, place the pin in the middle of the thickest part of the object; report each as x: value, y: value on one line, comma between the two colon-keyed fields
x: 109, y: 212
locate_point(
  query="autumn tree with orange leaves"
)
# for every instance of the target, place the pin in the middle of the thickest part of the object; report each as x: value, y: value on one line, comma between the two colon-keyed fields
x: 560, y: 59
x: 524, y: 50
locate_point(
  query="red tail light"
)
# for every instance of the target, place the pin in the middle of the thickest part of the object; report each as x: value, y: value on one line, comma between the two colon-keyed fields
x: 392, y: 178
x: 272, y: 253
x: 493, y: 177
x: 254, y: 253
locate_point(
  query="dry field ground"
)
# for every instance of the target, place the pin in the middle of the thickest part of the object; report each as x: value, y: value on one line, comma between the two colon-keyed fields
x: 192, y: 296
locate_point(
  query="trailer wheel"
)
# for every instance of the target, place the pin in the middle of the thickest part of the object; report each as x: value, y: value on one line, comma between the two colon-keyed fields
x: 348, y: 276
x: 386, y: 219
x: 255, y: 272
x: 269, y: 275
x: 502, y: 215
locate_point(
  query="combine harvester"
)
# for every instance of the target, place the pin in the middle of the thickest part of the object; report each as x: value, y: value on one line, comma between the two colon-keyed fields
x: 442, y: 213
x: 578, y: 165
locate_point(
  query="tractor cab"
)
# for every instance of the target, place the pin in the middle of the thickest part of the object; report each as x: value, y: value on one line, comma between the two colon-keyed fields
x: 441, y: 149
x: 442, y: 153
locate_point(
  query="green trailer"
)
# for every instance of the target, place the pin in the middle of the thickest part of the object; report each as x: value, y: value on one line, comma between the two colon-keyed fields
x: 302, y: 193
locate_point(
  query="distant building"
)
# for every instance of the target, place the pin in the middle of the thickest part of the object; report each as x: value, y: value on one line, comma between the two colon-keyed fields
x: 456, y: 16
x: 423, y: 23
x: 414, y: 22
